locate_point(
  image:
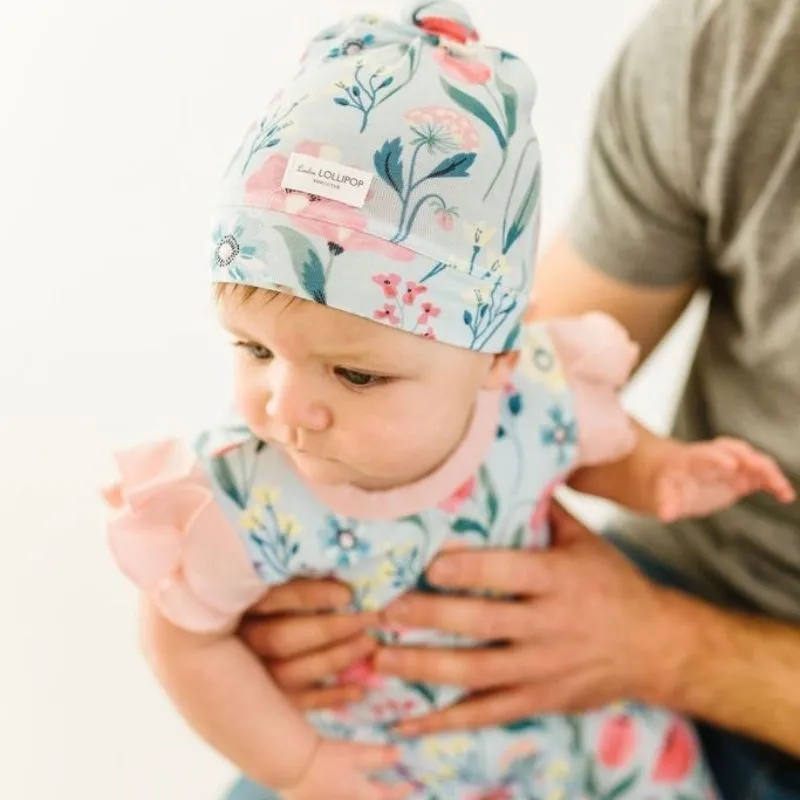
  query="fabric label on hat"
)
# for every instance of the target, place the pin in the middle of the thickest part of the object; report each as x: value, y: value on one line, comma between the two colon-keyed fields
x: 327, y: 179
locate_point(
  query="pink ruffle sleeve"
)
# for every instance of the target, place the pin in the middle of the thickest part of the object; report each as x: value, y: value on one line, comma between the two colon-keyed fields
x: 597, y: 356
x: 170, y: 537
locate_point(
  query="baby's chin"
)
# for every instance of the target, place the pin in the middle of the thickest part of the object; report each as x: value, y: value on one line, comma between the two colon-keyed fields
x: 329, y: 472
x: 319, y: 470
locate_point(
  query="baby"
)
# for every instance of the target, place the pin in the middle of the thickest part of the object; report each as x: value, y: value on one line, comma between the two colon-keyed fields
x: 373, y: 254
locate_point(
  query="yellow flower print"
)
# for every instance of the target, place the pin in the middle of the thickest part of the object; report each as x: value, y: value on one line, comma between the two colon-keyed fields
x: 444, y: 772
x: 498, y: 264
x: 438, y: 747
x: 557, y: 770
x: 539, y: 361
x: 480, y: 293
x: 480, y: 235
x: 252, y: 517
x: 384, y: 572
x: 447, y: 772
x: 266, y: 495
x: 364, y: 589
x: 457, y: 263
x: 289, y: 525
x: 557, y: 794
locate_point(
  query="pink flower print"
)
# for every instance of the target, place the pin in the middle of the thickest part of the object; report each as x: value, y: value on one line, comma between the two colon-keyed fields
x: 541, y: 511
x: 428, y: 310
x: 446, y: 128
x: 503, y: 793
x: 388, y: 282
x: 361, y: 674
x: 412, y: 292
x: 335, y: 222
x: 678, y: 756
x: 462, y: 69
x: 430, y: 334
x: 521, y: 751
x: 387, y: 314
x: 445, y: 219
x: 391, y: 709
x: 457, y: 499
x: 617, y: 741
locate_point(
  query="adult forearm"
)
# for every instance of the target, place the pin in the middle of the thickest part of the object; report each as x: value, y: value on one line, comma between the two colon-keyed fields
x: 734, y: 670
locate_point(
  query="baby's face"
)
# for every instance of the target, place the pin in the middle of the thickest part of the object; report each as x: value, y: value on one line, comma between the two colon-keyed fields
x: 349, y: 400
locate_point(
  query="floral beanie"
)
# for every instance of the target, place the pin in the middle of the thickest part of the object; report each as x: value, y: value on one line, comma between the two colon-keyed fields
x: 396, y: 177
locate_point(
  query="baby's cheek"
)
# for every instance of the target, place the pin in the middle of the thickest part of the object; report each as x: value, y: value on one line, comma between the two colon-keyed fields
x: 249, y: 401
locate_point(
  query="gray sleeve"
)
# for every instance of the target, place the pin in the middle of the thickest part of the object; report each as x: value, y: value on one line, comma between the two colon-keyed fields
x: 637, y: 215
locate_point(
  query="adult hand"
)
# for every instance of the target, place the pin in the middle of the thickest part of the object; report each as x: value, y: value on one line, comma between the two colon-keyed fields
x: 587, y: 629
x: 302, y: 640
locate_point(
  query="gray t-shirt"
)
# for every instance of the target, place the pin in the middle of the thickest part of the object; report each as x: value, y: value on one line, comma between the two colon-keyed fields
x: 694, y: 173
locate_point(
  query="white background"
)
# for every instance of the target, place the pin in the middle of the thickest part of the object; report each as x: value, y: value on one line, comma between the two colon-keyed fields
x: 116, y: 117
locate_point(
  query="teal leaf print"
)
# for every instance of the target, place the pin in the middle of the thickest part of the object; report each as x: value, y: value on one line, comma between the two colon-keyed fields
x: 509, y: 104
x: 622, y: 788
x: 518, y: 539
x: 525, y: 210
x: 465, y: 525
x: 526, y: 724
x: 477, y: 109
x: 590, y: 784
x: 492, y: 504
x: 366, y: 93
x: 269, y: 129
x: 512, y: 338
x: 491, y: 310
x: 389, y: 165
x: 224, y: 476
x: 456, y: 166
x: 426, y: 692
x: 416, y: 519
x: 306, y: 263
x: 576, y: 745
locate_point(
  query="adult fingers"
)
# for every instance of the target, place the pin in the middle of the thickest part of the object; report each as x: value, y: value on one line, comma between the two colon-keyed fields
x: 303, y: 595
x: 479, y: 668
x: 478, y: 618
x: 306, y: 671
x: 508, y: 572
x: 290, y: 637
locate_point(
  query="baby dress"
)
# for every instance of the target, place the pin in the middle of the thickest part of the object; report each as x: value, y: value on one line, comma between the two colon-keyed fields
x: 207, y: 529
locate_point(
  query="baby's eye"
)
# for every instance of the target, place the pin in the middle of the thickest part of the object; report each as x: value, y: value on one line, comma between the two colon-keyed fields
x: 257, y: 351
x: 360, y: 379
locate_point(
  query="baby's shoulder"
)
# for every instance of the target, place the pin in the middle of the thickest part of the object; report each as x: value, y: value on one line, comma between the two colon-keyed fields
x: 229, y: 454
x: 222, y: 438
x: 591, y: 347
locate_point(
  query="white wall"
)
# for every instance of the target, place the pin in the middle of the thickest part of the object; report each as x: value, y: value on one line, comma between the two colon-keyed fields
x: 116, y: 116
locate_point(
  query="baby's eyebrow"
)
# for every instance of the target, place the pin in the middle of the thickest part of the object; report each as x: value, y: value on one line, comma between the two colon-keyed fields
x: 353, y: 357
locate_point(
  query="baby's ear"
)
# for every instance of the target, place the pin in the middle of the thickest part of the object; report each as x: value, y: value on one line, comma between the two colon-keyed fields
x: 503, y: 366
